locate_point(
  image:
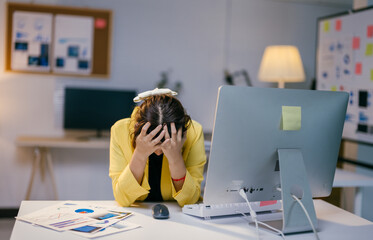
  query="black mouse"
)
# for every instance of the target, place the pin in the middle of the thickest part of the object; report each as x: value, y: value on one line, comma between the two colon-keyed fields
x: 160, y: 211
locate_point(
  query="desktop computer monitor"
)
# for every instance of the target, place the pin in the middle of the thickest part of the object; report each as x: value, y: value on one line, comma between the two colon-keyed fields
x: 96, y: 109
x: 252, y: 128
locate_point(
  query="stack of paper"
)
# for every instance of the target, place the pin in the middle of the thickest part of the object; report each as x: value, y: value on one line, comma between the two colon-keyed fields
x: 82, y: 218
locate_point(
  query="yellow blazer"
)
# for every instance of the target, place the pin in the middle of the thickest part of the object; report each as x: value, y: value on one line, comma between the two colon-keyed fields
x: 127, y: 190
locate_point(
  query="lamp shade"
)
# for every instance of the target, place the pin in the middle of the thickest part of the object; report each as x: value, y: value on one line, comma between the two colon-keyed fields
x: 281, y: 64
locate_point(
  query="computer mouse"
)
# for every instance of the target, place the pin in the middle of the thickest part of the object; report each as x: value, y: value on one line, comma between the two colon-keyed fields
x: 160, y: 211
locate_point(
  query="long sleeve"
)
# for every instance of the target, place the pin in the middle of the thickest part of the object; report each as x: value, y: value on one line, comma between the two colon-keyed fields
x: 126, y: 189
x: 195, y: 158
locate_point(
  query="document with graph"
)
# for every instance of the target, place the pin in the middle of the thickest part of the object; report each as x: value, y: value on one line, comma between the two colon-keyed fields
x: 82, y: 218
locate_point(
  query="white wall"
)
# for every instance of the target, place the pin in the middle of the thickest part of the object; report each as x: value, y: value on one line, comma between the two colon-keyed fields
x: 186, y: 36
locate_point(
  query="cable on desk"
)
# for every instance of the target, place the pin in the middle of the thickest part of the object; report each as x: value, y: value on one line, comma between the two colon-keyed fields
x: 254, y: 219
x: 264, y: 224
x: 308, y: 216
x: 252, y: 212
x: 305, y: 212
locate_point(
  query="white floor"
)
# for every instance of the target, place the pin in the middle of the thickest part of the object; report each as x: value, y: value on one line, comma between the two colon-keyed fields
x: 6, y: 227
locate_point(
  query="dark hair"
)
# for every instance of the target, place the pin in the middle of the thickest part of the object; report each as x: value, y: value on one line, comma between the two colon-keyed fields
x: 160, y: 110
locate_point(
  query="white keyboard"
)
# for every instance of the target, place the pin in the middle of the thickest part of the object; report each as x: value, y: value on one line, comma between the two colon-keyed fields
x: 264, y: 212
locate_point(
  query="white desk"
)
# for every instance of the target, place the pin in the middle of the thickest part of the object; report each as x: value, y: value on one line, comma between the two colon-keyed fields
x: 344, y: 178
x: 334, y: 224
x: 43, y: 156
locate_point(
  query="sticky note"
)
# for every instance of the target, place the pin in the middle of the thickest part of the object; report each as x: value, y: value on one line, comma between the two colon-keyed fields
x: 358, y: 68
x: 370, y: 31
x: 267, y: 203
x: 326, y: 26
x: 338, y: 25
x: 291, y: 118
x: 333, y: 88
x: 371, y: 74
x: 355, y: 43
x: 100, y: 23
x: 369, y: 49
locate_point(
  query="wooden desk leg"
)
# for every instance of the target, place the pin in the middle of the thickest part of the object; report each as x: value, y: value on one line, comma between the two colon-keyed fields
x: 358, y: 201
x: 50, y: 167
x: 35, y: 165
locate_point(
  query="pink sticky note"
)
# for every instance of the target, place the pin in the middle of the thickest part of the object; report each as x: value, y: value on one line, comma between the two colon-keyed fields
x: 267, y: 203
x: 338, y: 25
x: 355, y: 43
x: 358, y: 68
x: 370, y: 31
x: 100, y: 23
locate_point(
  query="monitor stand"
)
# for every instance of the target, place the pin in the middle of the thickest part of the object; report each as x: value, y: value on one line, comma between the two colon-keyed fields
x: 294, y: 181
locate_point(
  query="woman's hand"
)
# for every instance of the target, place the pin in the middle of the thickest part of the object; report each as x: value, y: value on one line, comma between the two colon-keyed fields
x: 145, y: 144
x: 173, y: 145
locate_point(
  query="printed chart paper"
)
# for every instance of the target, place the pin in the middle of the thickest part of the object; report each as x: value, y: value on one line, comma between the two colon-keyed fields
x: 81, y: 218
x: 115, y: 228
x: 73, y: 44
x: 31, y: 40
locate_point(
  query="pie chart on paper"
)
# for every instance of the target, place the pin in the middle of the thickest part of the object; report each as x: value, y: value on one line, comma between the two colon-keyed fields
x: 84, y: 210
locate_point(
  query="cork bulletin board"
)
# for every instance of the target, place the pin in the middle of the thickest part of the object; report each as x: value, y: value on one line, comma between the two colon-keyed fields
x: 58, y: 40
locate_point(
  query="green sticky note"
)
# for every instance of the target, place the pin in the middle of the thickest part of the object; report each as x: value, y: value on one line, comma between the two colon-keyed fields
x: 369, y: 49
x: 326, y: 26
x: 291, y: 118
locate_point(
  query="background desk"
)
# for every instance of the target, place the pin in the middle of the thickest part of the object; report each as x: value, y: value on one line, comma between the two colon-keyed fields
x: 334, y: 224
x: 43, y: 156
x: 345, y: 178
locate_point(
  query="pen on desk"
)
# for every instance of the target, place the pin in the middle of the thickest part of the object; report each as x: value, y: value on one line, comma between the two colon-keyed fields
x: 97, y: 230
x: 102, y: 228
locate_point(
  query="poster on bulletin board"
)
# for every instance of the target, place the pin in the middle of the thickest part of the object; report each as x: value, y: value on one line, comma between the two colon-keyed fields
x: 344, y: 62
x: 73, y: 48
x: 31, y: 39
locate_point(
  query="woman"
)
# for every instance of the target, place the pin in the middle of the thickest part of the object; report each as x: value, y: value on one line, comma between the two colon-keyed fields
x: 158, y: 154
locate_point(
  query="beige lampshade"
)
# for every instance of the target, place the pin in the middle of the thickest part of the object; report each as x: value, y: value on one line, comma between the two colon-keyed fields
x: 281, y: 64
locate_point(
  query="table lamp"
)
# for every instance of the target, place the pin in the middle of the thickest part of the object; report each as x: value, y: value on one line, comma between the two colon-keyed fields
x: 281, y: 64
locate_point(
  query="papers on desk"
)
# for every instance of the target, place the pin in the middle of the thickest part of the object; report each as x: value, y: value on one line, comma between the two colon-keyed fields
x: 116, y: 228
x: 85, y: 219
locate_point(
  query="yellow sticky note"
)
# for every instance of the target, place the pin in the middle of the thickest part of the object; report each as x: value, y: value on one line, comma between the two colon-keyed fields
x: 291, y: 118
x: 333, y: 88
x: 326, y: 26
x: 369, y: 49
x: 371, y: 74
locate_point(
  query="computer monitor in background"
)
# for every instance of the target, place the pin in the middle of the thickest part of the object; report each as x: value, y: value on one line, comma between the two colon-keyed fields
x: 261, y: 139
x: 96, y: 109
